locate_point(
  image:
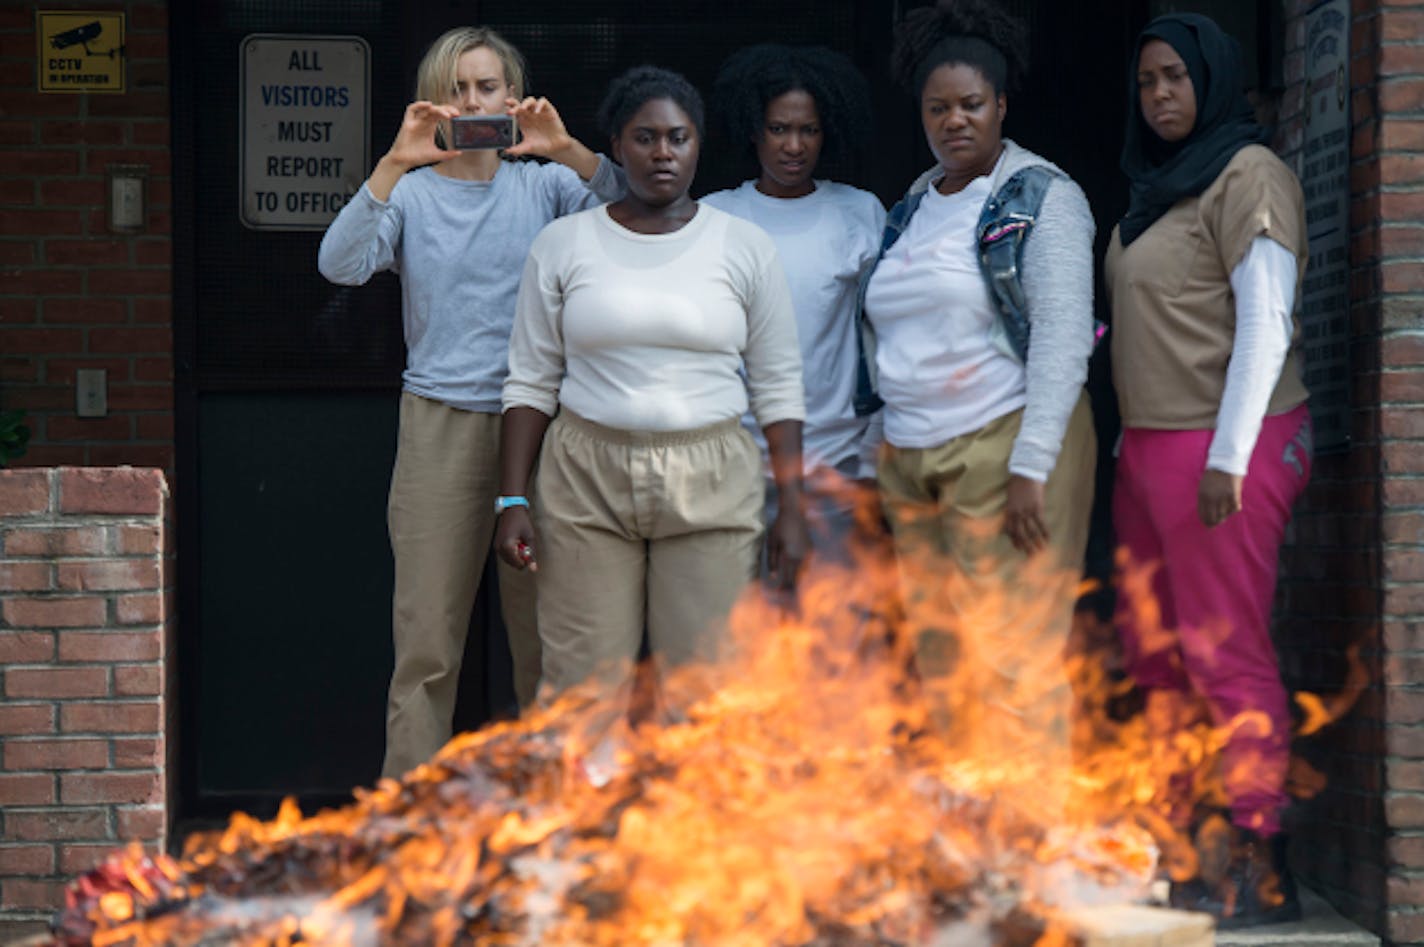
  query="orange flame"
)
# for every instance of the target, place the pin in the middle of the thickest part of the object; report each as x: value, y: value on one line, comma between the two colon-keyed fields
x: 808, y: 789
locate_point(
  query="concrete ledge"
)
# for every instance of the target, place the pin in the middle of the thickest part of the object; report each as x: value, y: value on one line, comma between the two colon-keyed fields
x: 1320, y: 925
x: 22, y: 932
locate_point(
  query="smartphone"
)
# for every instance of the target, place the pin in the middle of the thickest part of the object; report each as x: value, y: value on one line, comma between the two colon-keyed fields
x: 470, y: 132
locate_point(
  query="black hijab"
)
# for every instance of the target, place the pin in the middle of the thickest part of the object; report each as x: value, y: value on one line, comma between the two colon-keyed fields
x: 1161, y: 172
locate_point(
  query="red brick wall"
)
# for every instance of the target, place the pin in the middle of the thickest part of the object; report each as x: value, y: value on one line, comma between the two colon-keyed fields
x: 1394, y: 205
x: 1354, y: 570
x: 85, y: 638
x: 72, y: 294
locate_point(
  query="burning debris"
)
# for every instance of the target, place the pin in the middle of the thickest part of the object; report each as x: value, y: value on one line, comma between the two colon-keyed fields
x: 792, y: 795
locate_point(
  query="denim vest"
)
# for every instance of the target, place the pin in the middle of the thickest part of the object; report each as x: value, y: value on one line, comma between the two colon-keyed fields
x: 1004, y: 223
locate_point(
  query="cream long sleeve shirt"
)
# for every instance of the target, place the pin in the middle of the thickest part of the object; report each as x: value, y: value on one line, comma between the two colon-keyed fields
x: 646, y: 332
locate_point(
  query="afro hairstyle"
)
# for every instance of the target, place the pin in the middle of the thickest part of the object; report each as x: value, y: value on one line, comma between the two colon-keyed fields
x: 957, y: 31
x: 752, y: 77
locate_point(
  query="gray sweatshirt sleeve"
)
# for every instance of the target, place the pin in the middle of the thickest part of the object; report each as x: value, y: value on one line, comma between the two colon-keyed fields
x: 1058, y: 281
x: 361, y: 241
x: 572, y: 193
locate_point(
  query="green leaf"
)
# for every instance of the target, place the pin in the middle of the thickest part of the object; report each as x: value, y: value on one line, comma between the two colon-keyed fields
x: 14, y: 436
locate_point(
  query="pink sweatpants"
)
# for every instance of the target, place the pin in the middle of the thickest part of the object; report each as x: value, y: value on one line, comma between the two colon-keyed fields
x: 1214, y: 591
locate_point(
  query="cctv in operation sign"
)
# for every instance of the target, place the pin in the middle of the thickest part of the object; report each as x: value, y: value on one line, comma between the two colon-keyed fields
x: 304, y: 141
x: 80, y: 51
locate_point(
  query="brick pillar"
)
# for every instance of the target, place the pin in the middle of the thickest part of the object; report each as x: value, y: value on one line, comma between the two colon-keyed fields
x: 85, y: 642
x: 1353, y: 571
x: 1397, y: 172
x: 1329, y: 598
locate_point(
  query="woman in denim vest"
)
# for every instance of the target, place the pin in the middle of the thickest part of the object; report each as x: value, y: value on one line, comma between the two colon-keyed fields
x: 986, y: 472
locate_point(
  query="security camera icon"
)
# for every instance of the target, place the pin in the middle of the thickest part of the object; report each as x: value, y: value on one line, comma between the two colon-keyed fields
x: 79, y: 36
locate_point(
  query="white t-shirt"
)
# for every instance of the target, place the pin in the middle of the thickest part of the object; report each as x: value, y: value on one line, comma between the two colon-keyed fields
x: 647, y: 332
x: 825, y: 239
x: 940, y: 376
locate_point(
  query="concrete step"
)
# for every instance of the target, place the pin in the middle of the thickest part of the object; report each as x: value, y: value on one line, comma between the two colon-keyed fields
x: 1320, y: 925
x: 24, y: 932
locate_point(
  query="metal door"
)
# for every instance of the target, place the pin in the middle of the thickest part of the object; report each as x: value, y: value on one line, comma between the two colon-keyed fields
x: 287, y: 385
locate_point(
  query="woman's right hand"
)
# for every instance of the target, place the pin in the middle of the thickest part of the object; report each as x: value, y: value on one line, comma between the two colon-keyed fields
x: 414, y: 146
x: 514, y: 538
x: 415, y: 141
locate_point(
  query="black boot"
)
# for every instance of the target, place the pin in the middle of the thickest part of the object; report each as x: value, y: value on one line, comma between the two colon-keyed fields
x: 1243, y: 883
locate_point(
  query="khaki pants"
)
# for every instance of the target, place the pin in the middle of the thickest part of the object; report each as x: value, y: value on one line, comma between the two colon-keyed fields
x: 441, y: 520
x: 988, y: 624
x: 641, y: 529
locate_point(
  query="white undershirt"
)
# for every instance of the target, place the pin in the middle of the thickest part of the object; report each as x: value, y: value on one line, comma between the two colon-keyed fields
x: 1264, y: 283
x: 940, y: 376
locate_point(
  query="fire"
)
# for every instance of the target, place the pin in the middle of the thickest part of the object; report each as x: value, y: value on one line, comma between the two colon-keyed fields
x: 798, y: 792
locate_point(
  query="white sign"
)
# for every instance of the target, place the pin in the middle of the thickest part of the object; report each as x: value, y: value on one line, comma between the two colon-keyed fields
x: 1325, y: 176
x: 304, y: 142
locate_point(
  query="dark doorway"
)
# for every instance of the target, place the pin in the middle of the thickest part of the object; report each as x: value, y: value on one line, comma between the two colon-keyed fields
x: 287, y: 385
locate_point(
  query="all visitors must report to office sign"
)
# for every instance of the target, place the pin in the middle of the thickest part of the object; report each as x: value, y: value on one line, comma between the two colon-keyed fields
x: 305, y: 116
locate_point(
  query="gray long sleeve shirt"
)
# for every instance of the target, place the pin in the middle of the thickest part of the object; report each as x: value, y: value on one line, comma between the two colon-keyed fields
x: 459, y: 248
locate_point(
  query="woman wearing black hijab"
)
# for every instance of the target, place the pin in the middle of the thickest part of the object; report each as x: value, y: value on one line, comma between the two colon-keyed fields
x: 1204, y: 272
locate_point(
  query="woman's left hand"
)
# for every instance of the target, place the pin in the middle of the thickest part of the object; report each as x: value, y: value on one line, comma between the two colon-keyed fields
x: 1023, y: 515
x: 541, y: 130
x: 787, y: 545
x: 1218, y: 496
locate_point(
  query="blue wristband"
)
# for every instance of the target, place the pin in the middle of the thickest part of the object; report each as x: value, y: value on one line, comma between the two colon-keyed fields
x: 503, y: 503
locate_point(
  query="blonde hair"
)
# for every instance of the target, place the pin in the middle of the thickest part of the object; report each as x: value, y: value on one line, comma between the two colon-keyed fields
x: 435, y: 79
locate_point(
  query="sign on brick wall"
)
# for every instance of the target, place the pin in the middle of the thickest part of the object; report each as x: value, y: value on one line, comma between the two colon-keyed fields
x: 1325, y: 175
x: 305, y: 113
x: 80, y: 51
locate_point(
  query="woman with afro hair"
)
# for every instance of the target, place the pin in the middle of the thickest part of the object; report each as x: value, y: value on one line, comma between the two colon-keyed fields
x: 794, y: 109
x: 986, y: 472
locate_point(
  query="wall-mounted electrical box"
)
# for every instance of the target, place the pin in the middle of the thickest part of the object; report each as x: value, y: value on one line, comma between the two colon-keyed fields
x: 128, y: 198
x: 91, y: 393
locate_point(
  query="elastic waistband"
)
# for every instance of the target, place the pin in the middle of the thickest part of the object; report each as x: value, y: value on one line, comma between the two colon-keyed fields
x: 613, y: 435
